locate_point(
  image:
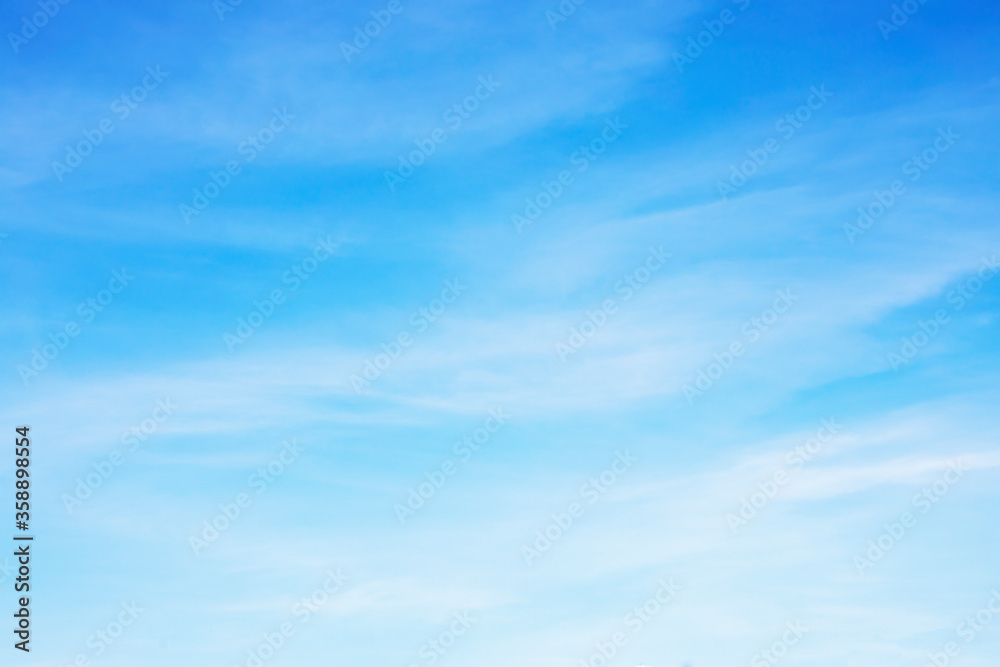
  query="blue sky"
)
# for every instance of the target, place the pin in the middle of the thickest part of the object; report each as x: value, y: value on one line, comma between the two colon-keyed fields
x: 788, y: 389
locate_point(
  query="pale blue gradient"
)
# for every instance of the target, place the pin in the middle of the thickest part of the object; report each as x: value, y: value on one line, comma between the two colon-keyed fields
x: 322, y: 181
